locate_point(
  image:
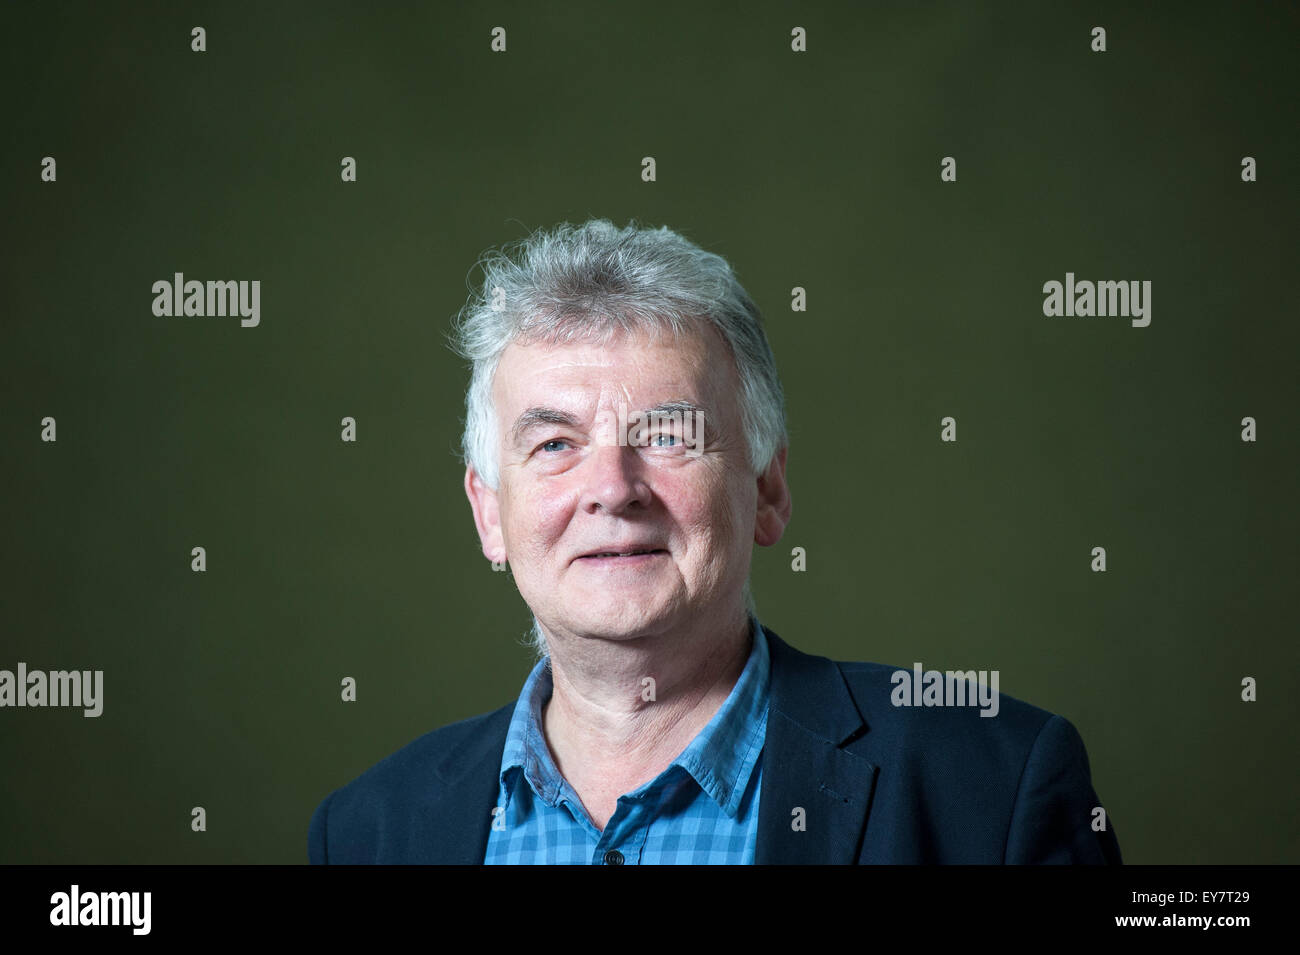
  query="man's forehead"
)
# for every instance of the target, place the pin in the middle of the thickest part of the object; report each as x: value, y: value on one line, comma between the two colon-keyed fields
x: 627, y: 368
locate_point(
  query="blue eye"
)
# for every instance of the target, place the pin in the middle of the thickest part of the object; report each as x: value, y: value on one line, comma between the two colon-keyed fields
x: 665, y: 434
x: 543, y: 447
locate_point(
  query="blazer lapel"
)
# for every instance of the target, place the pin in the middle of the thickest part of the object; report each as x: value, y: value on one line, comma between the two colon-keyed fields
x: 457, y: 821
x: 815, y: 795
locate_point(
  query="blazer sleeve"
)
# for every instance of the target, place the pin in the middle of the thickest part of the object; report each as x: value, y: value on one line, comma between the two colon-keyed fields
x: 1053, y: 817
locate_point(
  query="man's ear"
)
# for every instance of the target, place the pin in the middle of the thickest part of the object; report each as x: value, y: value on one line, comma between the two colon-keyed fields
x: 773, y: 502
x: 487, y: 516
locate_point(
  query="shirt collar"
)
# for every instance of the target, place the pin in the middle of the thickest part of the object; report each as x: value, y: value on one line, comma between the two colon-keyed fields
x: 721, y: 757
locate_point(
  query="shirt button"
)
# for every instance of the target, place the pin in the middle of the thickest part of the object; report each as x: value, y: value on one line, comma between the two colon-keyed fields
x: 613, y: 857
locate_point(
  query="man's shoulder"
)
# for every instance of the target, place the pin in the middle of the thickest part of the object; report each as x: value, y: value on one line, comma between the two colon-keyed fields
x: 948, y: 716
x: 431, y: 778
x: 437, y: 754
x: 901, y: 698
x: 898, y: 693
x: 938, y: 719
x: 996, y: 780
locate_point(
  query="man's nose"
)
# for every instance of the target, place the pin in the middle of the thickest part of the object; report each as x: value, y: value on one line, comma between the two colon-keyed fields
x: 613, y: 479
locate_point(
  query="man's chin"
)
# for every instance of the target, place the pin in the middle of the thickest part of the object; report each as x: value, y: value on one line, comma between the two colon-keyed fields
x: 618, y: 624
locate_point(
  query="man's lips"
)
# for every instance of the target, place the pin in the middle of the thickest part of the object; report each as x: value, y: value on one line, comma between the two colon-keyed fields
x: 624, y: 555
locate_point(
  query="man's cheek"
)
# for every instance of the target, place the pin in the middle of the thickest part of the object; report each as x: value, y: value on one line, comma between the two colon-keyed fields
x: 548, y: 515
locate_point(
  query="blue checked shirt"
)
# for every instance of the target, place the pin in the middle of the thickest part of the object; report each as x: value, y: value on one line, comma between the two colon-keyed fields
x: 702, y: 809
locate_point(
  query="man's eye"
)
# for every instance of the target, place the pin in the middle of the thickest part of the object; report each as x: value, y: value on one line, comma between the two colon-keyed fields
x: 671, y: 443
x: 546, y: 445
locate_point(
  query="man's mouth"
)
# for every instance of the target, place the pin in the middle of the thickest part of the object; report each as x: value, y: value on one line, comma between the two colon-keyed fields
x: 626, y: 555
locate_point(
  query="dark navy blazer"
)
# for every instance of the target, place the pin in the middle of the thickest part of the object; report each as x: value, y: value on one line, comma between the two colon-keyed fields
x: 876, y: 782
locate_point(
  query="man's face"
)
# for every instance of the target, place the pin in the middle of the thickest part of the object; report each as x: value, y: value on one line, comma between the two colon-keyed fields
x: 569, y: 490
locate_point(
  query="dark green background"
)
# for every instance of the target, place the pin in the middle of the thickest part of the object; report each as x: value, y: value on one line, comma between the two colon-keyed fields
x: 818, y: 170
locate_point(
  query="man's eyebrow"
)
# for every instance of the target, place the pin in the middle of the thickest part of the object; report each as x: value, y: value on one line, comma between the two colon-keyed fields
x: 673, y: 407
x: 540, y: 415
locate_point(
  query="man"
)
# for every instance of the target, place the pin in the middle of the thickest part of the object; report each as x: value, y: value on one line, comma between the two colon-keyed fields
x: 625, y: 446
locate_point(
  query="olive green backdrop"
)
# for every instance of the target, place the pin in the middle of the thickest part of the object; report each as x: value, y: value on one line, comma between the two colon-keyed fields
x: 819, y: 170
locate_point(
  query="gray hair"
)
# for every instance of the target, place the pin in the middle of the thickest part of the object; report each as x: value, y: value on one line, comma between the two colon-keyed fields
x: 594, y: 281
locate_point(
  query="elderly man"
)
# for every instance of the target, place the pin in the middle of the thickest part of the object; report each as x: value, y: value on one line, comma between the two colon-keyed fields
x: 625, y: 447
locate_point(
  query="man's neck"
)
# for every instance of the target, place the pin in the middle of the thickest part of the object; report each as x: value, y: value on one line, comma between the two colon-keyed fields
x: 621, y: 712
